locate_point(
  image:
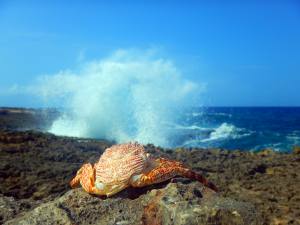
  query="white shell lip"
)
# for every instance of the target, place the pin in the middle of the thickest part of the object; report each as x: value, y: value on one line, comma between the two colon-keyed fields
x: 136, y: 177
x: 99, y: 185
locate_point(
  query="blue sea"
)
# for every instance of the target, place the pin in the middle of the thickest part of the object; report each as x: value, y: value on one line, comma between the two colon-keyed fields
x: 244, y: 128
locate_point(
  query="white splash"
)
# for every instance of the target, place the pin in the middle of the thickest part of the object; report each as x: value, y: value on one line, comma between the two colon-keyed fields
x: 224, y: 131
x: 227, y: 131
x: 127, y: 96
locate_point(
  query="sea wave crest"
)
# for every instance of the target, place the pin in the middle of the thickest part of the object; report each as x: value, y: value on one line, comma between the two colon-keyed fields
x: 225, y: 131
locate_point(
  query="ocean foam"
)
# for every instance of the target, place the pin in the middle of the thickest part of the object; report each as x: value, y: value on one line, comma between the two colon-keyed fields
x: 221, y: 134
x: 226, y: 131
x: 293, y: 138
x: 126, y: 97
x: 192, y: 127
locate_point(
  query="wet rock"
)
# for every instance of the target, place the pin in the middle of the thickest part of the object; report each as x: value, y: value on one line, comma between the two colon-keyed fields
x: 296, y: 150
x: 176, y: 203
x: 266, y: 152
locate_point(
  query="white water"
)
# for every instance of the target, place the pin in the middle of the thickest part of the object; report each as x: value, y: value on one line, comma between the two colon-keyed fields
x: 127, y: 96
x: 226, y: 131
x: 223, y: 132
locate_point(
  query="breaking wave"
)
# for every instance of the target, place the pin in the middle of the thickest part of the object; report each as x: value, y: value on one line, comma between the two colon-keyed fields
x: 127, y: 96
x: 226, y: 131
x: 211, y: 136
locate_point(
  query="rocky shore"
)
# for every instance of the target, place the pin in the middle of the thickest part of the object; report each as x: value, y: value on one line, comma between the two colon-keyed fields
x: 36, y: 167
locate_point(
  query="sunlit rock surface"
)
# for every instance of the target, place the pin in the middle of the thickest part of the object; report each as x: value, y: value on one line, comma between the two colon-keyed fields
x: 176, y: 203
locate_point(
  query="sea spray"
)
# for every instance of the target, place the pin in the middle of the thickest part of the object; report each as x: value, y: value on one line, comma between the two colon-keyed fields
x: 129, y: 96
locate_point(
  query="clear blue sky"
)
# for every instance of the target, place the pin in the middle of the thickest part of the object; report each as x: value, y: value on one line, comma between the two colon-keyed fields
x: 248, y: 54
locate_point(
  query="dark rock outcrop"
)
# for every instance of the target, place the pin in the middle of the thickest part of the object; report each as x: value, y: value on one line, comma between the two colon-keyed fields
x: 26, y: 118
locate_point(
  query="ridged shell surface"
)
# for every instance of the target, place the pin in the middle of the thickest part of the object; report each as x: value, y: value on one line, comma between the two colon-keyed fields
x: 119, y: 162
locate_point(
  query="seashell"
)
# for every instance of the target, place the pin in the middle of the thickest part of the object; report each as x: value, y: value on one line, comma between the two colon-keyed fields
x: 119, y: 162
